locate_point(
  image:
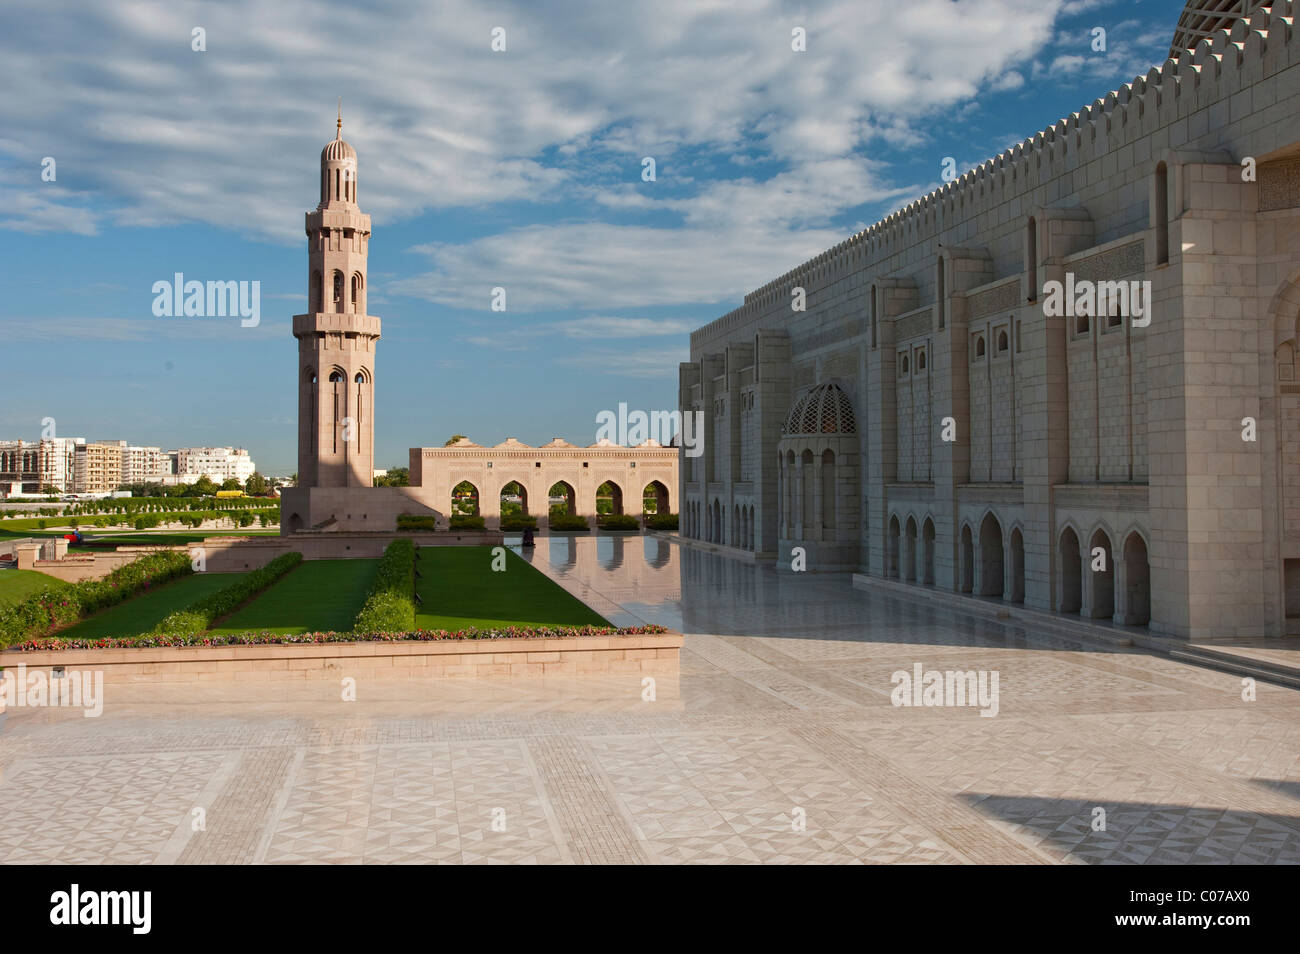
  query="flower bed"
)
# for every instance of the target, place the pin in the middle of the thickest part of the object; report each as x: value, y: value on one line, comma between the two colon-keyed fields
x: 273, y: 639
x: 61, y: 605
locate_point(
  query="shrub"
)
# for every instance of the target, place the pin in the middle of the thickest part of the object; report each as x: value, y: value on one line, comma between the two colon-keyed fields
x: 390, y: 607
x: 200, y: 615
x: 518, y: 522
x: 411, y: 521
x: 569, y: 521
x: 661, y: 521
x: 59, y: 603
x: 464, y: 522
x: 619, y: 521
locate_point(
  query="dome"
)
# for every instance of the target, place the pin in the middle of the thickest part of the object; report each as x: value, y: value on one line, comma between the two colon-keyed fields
x: 826, y: 409
x: 337, y: 151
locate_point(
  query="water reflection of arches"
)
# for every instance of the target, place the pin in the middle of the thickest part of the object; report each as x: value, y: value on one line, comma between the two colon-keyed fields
x: 610, y: 551
x: 563, y: 550
x: 657, y: 552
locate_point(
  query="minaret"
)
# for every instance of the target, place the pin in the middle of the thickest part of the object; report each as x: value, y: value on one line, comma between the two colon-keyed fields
x: 336, y: 338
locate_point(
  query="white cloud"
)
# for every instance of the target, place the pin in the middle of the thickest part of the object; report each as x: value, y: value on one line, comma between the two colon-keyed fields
x: 165, y: 135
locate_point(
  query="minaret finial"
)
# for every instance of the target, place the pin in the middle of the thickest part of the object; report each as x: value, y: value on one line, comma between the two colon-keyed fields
x: 339, y: 132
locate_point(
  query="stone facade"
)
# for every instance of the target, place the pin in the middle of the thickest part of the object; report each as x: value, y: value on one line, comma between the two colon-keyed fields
x: 1096, y: 464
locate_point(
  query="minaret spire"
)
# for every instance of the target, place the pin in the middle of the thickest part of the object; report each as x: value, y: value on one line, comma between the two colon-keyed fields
x: 338, y: 134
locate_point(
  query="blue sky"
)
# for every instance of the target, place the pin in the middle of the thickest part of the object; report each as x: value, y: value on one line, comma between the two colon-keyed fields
x: 520, y: 169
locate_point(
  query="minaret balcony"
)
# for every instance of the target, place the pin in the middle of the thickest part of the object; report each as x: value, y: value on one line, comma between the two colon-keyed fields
x: 337, y: 218
x: 335, y: 323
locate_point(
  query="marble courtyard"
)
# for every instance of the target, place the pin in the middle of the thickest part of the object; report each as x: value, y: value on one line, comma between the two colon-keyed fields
x: 778, y: 743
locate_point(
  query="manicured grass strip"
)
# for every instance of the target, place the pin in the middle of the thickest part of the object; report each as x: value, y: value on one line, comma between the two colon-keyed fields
x: 200, y: 614
x: 67, y: 603
x: 147, y: 610
x: 319, y: 595
x: 459, y: 589
x: 17, y: 585
x: 390, y: 607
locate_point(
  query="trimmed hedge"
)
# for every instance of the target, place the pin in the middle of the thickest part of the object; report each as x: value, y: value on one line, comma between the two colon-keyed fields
x: 57, y: 605
x: 273, y: 639
x: 412, y: 521
x: 200, y: 615
x: 142, y: 521
x: 466, y: 522
x: 619, y: 521
x: 390, y: 607
x: 569, y: 521
x: 518, y: 522
x: 661, y: 521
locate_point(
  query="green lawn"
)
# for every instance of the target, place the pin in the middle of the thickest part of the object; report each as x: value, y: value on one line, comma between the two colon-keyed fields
x: 141, y: 614
x: 16, y: 585
x: 318, y: 596
x: 460, y: 590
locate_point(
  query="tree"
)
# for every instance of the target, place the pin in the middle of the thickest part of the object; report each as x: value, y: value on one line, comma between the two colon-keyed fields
x: 231, y: 484
x: 395, y: 477
x: 256, y: 485
x: 454, y: 438
x: 203, y: 487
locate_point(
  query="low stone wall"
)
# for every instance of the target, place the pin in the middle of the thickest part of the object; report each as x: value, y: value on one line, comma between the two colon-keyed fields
x: 88, y: 566
x: 649, y: 654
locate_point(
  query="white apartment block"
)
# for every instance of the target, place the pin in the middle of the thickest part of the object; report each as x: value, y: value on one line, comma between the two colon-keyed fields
x: 146, y: 465
x: 216, y: 463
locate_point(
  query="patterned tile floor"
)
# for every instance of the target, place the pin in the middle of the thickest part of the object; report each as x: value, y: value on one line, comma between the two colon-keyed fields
x: 777, y: 743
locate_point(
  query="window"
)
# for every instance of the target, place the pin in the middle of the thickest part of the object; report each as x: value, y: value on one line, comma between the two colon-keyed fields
x: 939, y: 292
x: 979, y: 346
x: 1031, y: 258
x: 1160, y: 213
x: 1114, y: 319
x: 903, y: 366
x: 920, y: 361
x: 1003, y: 344
x: 1081, y: 326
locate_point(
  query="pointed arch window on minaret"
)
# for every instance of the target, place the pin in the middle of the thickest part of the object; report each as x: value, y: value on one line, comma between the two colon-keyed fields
x: 338, y: 291
x: 340, y: 398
